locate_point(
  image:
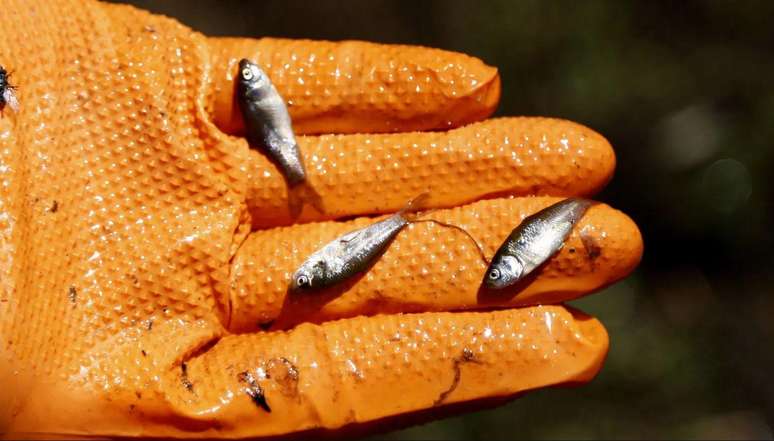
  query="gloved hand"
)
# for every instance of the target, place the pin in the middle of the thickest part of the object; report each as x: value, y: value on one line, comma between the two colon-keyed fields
x: 145, y: 250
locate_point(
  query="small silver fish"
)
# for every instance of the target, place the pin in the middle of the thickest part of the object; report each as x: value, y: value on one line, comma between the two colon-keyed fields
x: 534, y: 241
x: 351, y: 253
x: 267, y: 121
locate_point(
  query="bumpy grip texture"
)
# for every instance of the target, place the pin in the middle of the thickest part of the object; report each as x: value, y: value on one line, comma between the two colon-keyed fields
x: 128, y: 256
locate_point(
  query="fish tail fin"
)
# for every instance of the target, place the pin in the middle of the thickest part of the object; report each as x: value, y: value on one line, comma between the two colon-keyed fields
x: 409, y: 211
x: 580, y: 205
x: 301, y: 194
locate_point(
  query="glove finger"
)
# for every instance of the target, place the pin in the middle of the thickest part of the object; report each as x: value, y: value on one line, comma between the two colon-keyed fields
x: 428, y: 267
x: 355, y: 86
x: 328, y: 376
x: 315, y: 376
x: 363, y: 174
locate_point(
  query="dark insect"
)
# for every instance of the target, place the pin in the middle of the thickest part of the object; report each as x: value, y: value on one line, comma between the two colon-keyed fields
x: 7, y: 91
x: 254, y: 391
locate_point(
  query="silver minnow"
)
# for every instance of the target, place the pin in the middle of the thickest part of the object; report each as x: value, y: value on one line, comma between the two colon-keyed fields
x: 267, y: 122
x: 351, y: 253
x: 534, y: 241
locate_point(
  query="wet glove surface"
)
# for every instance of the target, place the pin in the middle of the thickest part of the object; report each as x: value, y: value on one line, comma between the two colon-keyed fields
x: 145, y: 249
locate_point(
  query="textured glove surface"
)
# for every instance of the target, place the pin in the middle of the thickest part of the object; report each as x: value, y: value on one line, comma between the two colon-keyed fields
x: 145, y: 249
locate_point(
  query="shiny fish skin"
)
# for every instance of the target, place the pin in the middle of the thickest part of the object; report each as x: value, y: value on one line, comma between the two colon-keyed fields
x: 267, y: 121
x: 347, y: 255
x: 534, y: 241
x: 353, y: 252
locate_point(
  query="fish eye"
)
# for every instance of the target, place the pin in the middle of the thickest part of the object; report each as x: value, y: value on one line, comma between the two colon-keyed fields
x: 302, y: 281
x: 247, y: 73
x: 494, y: 274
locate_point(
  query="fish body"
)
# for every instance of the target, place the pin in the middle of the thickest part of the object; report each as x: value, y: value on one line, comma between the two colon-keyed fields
x: 349, y: 254
x: 267, y: 121
x: 534, y: 241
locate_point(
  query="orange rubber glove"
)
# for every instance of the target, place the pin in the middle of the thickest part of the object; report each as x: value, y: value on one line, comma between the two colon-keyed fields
x: 145, y: 250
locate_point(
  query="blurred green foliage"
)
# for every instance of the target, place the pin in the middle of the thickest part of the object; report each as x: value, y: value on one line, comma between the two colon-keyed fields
x: 683, y: 92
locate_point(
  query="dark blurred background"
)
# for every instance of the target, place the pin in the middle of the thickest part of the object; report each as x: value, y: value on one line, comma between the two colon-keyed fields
x: 684, y: 91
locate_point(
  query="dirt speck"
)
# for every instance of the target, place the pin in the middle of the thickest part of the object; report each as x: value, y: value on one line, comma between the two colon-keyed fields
x: 184, y: 377
x: 72, y: 294
x: 134, y: 279
x: 467, y: 356
x: 593, y: 250
x: 283, y: 372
